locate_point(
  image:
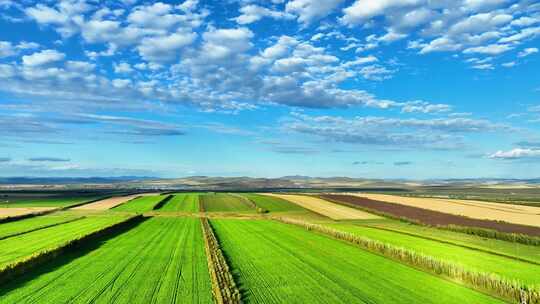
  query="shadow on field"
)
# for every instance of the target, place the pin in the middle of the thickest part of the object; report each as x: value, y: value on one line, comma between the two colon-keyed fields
x: 74, y: 253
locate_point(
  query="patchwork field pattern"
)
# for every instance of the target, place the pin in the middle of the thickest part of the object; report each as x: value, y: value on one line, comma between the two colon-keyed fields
x: 162, y: 260
x: 13, y: 212
x: 22, y: 226
x: 516, y: 214
x: 273, y: 204
x: 111, y: 202
x: 279, y: 263
x: 326, y: 208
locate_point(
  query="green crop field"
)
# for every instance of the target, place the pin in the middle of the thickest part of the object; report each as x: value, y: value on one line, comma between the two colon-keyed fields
x: 44, y: 202
x: 16, y: 228
x: 140, y: 204
x: 219, y: 202
x: 278, y: 263
x: 521, y: 251
x: 162, y: 260
x: 273, y: 204
x: 23, y: 246
x: 185, y: 202
x: 469, y: 258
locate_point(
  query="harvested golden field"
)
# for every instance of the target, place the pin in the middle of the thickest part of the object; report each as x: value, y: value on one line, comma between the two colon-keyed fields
x: 516, y: 214
x: 326, y: 208
x: 9, y: 212
x: 112, y: 202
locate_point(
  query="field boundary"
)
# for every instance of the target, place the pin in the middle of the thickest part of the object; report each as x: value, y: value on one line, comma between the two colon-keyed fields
x: 250, y: 202
x: 451, y: 243
x: 477, y: 231
x: 489, y: 283
x: 9, y: 219
x: 223, y: 285
x: 42, y: 227
x: 22, y: 266
x: 162, y: 202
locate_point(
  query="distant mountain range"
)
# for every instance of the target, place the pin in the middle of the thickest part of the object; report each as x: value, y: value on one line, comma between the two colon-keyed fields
x: 246, y: 183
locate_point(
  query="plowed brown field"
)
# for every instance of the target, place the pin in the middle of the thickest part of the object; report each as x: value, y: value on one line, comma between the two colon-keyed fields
x: 431, y: 217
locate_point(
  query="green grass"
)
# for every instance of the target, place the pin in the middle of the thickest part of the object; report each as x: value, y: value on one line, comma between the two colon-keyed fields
x: 279, y: 263
x: 468, y: 258
x: 220, y: 202
x: 22, y: 246
x: 44, y: 202
x: 273, y: 204
x: 162, y: 260
x: 31, y: 224
x: 530, y: 253
x: 185, y: 202
x: 140, y: 204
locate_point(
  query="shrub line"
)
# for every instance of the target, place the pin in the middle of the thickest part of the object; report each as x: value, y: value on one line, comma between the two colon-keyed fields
x: 223, y: 286
x: 22, y: 266
x: 162, y: 202
x: 511, y: 290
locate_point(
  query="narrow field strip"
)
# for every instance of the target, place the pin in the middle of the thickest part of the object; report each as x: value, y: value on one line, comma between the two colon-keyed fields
x: 21, y: 211
x: 510, y: 290
x: 223, y: 285
x: 162, y: 260
x: 476, y: 260
x: 188, y: 202
x: 326, y: 208
x: 279, y: 263
x: 430, y: 217
x: 521, y: 251
x: 111, y: 202
x: 221, y: 202
x: 273, y: 204
x: 45, y: 202
x: 140, y: 204
x: 522, y: 215
x: 24, y: 226
x: 25, y: 246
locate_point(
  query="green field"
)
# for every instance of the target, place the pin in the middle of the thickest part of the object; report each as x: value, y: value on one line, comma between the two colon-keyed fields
x: 185, y: 202
x: 162, y: 260
x: 220, y: 202
x: 44, y: 202
x: 31, y: 224
x: 140, y: 204
x: 23, y: 246
x: 273, y: 204
x: 279, y: 263
x: 469, y: 258
x: 521, y: 251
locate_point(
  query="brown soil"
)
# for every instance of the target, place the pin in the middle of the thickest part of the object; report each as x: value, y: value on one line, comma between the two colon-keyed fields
x: 430, y: 217
x: 9, y: 212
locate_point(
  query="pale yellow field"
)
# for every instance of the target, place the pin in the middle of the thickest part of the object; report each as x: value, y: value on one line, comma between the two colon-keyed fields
x: 517, y: 214
x: 329, y: 209
x: 111, y: 202
x: 7, y: 212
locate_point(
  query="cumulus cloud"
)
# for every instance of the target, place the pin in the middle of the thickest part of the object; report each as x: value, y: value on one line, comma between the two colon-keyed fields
x: 42, y: 58
x: 517, y: 153
x: 311, y: 10
x: 528, y: 51
x: 252, y: 13
x: 165, y: 48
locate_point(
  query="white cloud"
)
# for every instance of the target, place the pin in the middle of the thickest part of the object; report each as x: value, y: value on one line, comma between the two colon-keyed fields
x: 122, y: 68
x: 363, y: 10
x: 492, y: 49
x: 42, y: 58
x: 517, y: 153
x: 165, y: 48
x: 528, y: 51
x: 509, y: 64
x: 311, y: 10
x: 222, y: 43
x: 252, y: 13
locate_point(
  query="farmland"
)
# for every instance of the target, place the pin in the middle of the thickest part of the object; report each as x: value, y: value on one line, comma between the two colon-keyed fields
x: 185, y: 202
x: 277, y: 263
x: 220, y: 202
x: 203, y: 247
x: 161, y: 260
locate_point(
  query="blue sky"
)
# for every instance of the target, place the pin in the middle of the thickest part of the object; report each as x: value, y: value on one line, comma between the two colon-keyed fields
x: 363, y: 88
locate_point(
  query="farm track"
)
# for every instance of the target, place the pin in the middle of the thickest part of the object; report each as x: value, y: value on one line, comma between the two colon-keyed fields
x: 159, y: 261
x: 430, y: 217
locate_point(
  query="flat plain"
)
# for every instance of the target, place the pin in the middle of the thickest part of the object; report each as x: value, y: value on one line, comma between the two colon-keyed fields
x: 182, y: 202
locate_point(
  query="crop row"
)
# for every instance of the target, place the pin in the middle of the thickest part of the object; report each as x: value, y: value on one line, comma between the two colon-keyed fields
x: 224, y: 287
x: 22, y: 265
x: 503, y: 288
